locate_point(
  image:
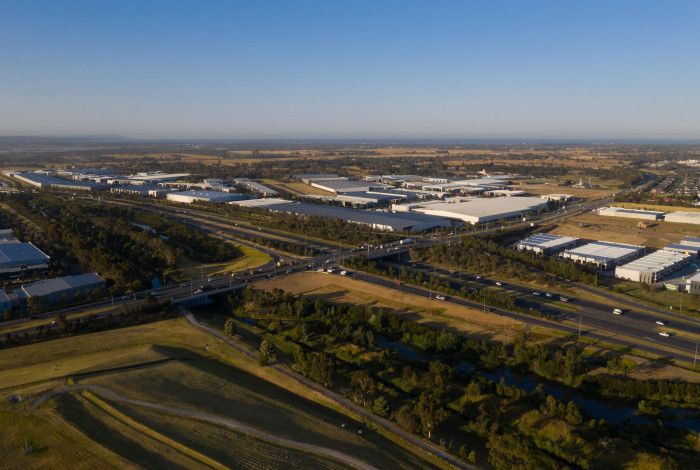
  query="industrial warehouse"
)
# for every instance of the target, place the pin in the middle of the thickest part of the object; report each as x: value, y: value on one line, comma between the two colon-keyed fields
x: 630, y: 213
x: 18, y: 257
x: 654, y: 267
x: 387, y: 221
x: 476, y: 210
x: 204, y: 196
x: 604, y: 255
x: 547, y: 244
x: 51, y: 291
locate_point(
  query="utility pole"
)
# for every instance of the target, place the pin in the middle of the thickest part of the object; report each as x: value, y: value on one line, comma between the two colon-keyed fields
x: 579, y: 326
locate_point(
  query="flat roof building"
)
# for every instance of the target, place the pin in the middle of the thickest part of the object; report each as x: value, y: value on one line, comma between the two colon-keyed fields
x: 18, y: 257
x: 388, y: 221
x: 53, y: 290
x: 347, y: 186
x: 603, y: 254
x: 681, y: 217
x: 547, y: 244
x: 477, y: 210
x: 630, y: 213
x: 189, y: 197
x: 256, y: 187
x: 653, y: 267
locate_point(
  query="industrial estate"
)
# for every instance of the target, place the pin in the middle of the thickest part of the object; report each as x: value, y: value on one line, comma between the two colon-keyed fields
x: 411, y: 301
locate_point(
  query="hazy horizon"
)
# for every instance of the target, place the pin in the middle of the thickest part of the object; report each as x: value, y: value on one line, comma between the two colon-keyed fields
x: 251, y: 71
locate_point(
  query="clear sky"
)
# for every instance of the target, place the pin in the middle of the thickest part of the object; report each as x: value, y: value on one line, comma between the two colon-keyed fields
x: 351, y: 69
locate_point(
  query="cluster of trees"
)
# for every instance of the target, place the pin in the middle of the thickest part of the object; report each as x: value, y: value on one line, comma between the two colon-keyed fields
x: 82, y: 236
x: 479, y: 255
x: 347, y: 348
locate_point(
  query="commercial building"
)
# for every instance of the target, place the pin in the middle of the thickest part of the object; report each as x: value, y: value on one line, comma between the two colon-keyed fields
x: 558, y: 197
x: 44, y: 180
x: 683, y: 248
x: 547, y: 244
x: 143, y: 190
x: 264, y: 202
x: 681, y: 217
x: 51, y: 291
x: 337, y: 186
x: 19, y: 257
x: 652, y: 268
x: 256, y: 187
x: 603, y: 254
x: 378, y: 220
x: 630, y: 213
x: 155, y: 177
x: 204, y: 196
x: 217, y: 184
x: 476, y: 210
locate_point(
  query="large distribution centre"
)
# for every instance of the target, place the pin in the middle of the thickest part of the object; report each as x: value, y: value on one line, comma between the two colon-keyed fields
x: 203, y: 196
x: 379, y: 220
x: 630, y: 213
x: 603, y: 254
x: 476, y: 210
x: 547, y: 244
x: 653, y: 267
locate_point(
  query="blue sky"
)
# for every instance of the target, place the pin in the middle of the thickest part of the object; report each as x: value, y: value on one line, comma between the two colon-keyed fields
x: 351, y: 69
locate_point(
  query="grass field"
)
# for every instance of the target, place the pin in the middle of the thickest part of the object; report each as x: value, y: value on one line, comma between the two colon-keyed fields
x: 251, y: 258
x: 171, y: 363
x: 433, y: 312
x: 617, y: 229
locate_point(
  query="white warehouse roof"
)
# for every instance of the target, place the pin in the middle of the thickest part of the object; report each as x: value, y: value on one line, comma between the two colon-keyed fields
x: 683, y: 217
x: 480, y: 209
x: 603, y: 252
x: 545, y: 241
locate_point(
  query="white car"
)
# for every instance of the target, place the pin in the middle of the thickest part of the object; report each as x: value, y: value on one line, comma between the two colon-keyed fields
x: 343, y: 273
x: 563, y: 299
x: 659, y: 322
x: 440, y: 297
x: 548, y: 294
x: 617, y: 311
x: 535, y: 293
x: 663, y: 333
x: 499, y: 283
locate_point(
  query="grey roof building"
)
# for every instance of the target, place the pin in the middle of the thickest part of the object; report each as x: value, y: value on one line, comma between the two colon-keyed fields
x: 18, y: 257
x: 52, y: 290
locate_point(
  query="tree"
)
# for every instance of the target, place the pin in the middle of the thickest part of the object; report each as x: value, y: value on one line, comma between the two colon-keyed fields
x: 230, y: 327
x: 380, y: 406
x: 267, y: 352
x: 430, y: 412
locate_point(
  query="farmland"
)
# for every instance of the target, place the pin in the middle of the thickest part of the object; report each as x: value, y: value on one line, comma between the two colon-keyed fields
x: 173, y: 364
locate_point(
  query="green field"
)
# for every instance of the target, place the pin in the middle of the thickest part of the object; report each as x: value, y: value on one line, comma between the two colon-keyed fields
x: 172, y: 364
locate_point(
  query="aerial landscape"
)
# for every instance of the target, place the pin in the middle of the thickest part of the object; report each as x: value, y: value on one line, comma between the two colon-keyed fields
x: 350, y: 235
